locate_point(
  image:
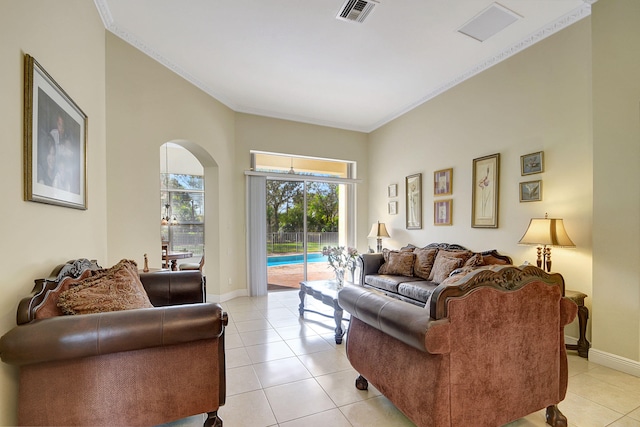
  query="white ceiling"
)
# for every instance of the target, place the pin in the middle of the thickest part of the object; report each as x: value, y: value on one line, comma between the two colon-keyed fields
x: 292, y: 59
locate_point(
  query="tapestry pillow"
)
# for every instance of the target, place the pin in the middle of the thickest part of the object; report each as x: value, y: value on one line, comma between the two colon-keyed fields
x: 400, y: 263
x: 463, y: 256
x: 442, y: 267
x: 475, y: 261
x: 114, y: 289
x: 384, y: 268
x: 424, y: 262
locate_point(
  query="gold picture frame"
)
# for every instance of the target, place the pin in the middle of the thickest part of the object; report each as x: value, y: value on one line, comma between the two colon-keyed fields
x: 532, y: 163
x: 442, y: 212
x: 443, y: 182
x: 531, y: 191
x: 55, y: 138
x: 485, y: 192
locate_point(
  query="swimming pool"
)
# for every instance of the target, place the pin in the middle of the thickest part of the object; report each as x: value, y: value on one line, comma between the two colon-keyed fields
x: 294, y: 259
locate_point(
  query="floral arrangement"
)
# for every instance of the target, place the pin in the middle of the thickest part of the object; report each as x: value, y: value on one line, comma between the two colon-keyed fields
x: 341, y: 258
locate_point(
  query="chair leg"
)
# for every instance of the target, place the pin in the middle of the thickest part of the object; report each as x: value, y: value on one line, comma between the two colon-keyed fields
x: 555, y: 418
x: 362, y: 383
x: 213, y: 420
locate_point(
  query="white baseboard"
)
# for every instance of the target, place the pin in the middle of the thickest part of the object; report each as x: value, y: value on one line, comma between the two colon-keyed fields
x: 228, y: 296
x: 613, y: 361
x: 570, y: 340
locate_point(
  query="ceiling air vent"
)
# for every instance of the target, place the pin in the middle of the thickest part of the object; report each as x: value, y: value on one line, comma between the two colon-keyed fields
x: 356, y: 10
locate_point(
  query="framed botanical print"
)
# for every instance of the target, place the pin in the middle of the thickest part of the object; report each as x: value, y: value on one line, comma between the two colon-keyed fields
x: 393, y: 208
x: 413, y: 185
x: 485, y: 192
x: 442, y: 212
x: 55, y: 139
x: 392, y: 190
x: 532, y: 163
x: 531, y: 191
x: 443, y: 182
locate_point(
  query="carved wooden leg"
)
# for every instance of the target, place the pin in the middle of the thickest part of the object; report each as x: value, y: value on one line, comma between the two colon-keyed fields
x: 362, y: 383
x: 555, y: 418
x: 213, y: 420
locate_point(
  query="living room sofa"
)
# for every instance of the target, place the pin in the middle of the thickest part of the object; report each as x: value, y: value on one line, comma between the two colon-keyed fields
x: 134, y: 366
x: 411, y: 274
x: 487, y: 350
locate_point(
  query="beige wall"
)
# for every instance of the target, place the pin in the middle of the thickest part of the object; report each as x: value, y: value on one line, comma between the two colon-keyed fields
x: 616, y: 209
x: 148, y: 105
x: 536, y: 100
x: 69, y: 43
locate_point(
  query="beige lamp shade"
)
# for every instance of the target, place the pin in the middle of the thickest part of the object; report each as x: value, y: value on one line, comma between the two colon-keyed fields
x: 378, y: 230
x: 547, y: 232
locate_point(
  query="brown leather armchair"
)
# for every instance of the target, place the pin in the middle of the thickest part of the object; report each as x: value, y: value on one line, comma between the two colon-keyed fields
x: 134, y: 367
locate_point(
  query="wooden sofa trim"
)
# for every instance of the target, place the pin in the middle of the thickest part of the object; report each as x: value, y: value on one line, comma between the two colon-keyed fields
x: 497, y: 277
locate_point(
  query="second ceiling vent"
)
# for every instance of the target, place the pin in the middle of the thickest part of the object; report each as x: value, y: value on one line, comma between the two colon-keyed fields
x: 356, y: 10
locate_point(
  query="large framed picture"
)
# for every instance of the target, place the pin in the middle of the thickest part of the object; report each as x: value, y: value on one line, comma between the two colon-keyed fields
x: 531, y: 191
x: 442, y: 212
x: 485, y: 193
x: 414, y: 201
x: 443, y: 182
x: 55, y: 139
x: 532, y: 163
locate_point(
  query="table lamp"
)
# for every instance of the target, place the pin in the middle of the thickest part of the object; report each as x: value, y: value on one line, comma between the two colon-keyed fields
x: 545, y: 232
x: 378, y: 231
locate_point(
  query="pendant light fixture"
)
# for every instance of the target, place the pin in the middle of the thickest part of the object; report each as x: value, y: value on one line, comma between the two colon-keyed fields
x: 167, y: 219
x: 291, y: 171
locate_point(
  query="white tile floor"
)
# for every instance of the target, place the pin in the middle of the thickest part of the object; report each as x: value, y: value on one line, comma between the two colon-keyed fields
x: 287, y: 372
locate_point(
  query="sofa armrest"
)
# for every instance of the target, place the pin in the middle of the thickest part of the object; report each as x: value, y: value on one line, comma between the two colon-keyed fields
x: 68, y: 337
x: 369, y: 264
x: 174, y: 287
x: 406, y: 322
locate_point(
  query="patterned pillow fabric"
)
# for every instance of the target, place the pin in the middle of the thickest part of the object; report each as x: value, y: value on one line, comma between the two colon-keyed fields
x: 424, y: 262
x: 400, y: 263
x: 475, y: 261
x: 461, y: 255
x: 442, y: 267
x: 114, y: 289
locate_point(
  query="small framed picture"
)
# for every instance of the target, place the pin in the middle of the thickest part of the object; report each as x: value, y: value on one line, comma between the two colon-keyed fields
x: 532, y: 163
x: 393, y: 190
x: 443, y: 182
x: 442, y: 212
x: 393, y: 208
x: 531, y: 191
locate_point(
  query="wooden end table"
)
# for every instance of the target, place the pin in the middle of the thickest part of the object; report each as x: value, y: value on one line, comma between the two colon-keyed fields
x: 327, y: 292
x: 583, y: 315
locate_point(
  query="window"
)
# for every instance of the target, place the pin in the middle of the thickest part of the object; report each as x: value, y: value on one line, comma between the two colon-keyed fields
x: 182, y: 204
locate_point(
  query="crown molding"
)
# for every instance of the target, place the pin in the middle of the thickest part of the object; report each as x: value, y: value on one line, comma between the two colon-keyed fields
x: 548, y: 30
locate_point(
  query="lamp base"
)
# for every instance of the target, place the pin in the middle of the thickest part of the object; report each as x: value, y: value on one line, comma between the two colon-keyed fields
x: 379, y: 245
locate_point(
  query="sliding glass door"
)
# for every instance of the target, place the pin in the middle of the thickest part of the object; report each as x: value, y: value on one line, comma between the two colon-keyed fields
x: 303, y: 222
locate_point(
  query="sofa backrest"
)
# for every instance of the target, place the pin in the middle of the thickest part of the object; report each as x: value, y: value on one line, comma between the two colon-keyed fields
x: 506, y: 337
x: 163, y: 288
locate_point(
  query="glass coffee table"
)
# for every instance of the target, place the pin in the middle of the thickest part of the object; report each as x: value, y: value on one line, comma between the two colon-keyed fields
x: 327, y: 292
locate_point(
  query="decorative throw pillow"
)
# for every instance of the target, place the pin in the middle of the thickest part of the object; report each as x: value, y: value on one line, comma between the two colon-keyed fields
x: 114, y: 289
x: 385, y: 262
x: 475, y: 261
x: 461, y: 255
x: 424, y: 262
x: 400, y: 263
x: 442, y: 267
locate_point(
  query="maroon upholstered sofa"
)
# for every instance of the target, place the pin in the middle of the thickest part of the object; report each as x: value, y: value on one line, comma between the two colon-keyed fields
x: 487, y: 349
x: 142, y: 366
